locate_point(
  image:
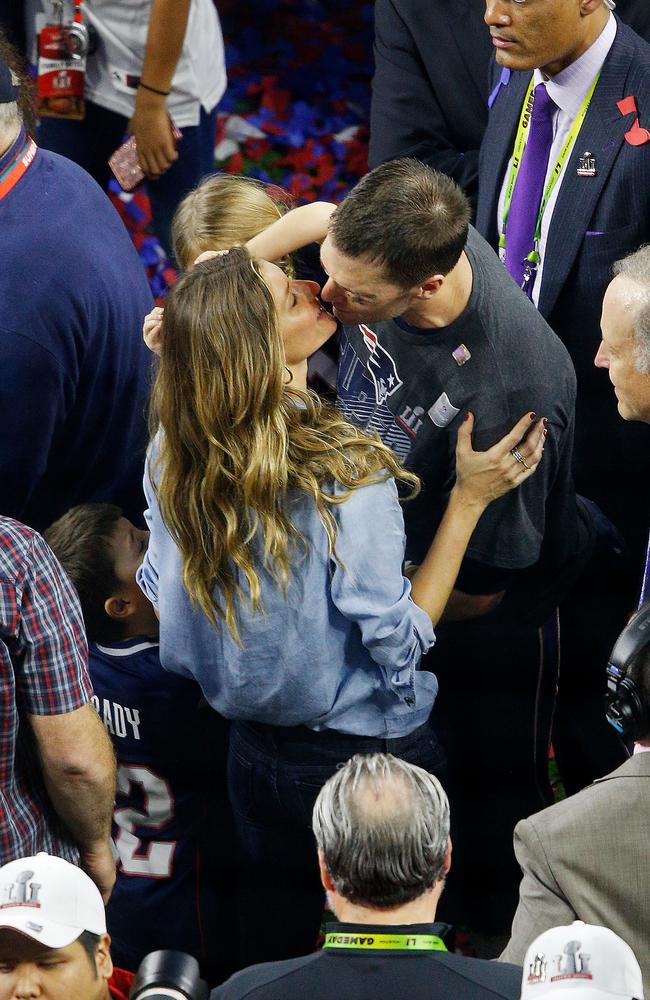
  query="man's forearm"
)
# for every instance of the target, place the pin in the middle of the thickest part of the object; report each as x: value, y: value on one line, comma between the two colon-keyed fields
x: 83, y: 799
x: 165, y: 37
x: 462, y: 606
x: 78, y: 767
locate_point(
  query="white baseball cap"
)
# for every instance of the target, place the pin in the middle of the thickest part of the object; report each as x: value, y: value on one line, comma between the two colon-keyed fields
x: 581, y: 962
x: 49, y: 900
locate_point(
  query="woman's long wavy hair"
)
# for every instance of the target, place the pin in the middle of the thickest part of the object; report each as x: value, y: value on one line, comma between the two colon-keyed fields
x: 235, y: 444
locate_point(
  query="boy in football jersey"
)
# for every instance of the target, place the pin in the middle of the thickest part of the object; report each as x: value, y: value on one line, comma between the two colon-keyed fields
x: 170, y: 822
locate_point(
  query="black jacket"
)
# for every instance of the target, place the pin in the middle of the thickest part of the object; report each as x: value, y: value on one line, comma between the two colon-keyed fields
x: 375, y: 975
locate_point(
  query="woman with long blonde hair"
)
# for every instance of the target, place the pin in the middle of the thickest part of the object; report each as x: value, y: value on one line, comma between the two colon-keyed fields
x: 275, y: 564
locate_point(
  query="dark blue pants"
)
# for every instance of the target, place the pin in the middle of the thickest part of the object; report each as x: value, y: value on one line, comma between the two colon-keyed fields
x: 494, y: 711
x: 90, y: 143
x: 274, y: 777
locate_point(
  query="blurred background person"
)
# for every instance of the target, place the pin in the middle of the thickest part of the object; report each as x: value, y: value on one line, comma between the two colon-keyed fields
x: 429, y: 89
x: 150, y: 60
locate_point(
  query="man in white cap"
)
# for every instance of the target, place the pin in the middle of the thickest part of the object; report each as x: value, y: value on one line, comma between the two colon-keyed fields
x: 53, y: 940
x: 581, y: 962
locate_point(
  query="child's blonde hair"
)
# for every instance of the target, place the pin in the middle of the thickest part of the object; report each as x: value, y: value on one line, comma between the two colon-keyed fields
x: 223, y: 211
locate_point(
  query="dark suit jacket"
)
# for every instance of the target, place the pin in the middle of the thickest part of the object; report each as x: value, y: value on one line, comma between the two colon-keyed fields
x: 596, y: 221
x: 587, y: 858
x: 430, y: 89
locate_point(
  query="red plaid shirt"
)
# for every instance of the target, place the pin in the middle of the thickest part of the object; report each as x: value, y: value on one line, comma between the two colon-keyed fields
x: 43, y: 671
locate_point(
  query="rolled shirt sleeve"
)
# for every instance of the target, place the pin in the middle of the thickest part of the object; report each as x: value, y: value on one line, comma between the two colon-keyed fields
x: 147, y: 573
x: 369, y: 588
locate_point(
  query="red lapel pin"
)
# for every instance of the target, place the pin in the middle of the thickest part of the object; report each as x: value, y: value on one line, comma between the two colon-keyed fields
x: 636, y: 136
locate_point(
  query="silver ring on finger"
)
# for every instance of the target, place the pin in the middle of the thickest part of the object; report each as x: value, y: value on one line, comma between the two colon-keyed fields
x: 518, y: 457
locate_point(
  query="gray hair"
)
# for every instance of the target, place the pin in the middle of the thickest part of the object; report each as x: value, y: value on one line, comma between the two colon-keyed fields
x: 10, y: 122
x: 382, y: 827
x: 636, y: 267
x: 9, y: 114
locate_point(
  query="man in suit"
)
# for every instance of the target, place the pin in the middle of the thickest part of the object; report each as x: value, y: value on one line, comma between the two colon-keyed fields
x: 597, y: 210
x: 429, y: 91
x: 587, y: 857
x: 382, y: 830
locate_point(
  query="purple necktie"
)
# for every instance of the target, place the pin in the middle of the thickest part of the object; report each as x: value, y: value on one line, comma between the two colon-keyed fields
x: 527, y: 195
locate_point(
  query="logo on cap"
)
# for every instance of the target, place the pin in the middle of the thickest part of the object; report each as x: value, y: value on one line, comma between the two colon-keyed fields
x: 22, y: 892
x: 537, y: 969
x: 572, y: 963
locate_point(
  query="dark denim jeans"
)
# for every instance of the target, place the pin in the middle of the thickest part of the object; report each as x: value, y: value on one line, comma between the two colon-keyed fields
x: 90, y: 143
x: 274, y: 777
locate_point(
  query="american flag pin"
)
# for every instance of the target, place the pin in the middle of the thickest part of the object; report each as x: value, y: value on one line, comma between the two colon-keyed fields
x: 461, y: 355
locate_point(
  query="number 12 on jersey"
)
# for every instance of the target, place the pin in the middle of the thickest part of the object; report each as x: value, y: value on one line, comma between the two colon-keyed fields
x: 139, y: 855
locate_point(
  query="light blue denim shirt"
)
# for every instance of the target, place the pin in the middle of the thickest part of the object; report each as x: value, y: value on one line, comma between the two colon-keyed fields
x: 340, y: 650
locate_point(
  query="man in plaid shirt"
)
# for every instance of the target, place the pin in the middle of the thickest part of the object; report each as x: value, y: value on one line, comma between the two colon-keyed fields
x: 57, y: 771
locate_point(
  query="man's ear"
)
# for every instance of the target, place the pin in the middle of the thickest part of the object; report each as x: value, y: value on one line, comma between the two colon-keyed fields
x: 117, y: 608
x: 325, y: 876
x: 588, y: 7
x: 430, y: 286
x: 448, y: 857
x: 103, y: 959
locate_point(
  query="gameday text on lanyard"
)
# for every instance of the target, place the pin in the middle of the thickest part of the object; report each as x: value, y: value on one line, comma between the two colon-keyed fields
x: 385, y: 942
x: 533, y: 257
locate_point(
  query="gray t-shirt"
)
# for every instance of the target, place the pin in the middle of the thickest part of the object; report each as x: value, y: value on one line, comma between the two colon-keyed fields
x: 498, y: 359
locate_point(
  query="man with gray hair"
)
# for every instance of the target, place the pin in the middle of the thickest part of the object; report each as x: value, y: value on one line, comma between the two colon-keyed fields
x: 573, y: 867
x: 625, y: 325
x: 382, y: 831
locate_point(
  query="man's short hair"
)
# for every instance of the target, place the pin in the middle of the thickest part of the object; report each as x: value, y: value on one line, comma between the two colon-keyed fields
x: 89, y: 942
x: 81, y: 540
x: 405, y: 216
x: 382, y: 827
x: 636, y: 267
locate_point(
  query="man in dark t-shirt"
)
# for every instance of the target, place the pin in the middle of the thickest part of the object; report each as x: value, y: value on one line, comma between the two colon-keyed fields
x: 382, y: 830
x: 432, y: 329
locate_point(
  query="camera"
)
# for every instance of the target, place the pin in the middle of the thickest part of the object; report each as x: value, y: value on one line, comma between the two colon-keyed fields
x: 76, y: 40
x: 168, y: 975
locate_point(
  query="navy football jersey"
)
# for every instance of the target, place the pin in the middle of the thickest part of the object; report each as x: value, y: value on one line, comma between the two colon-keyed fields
x: 170, y: 820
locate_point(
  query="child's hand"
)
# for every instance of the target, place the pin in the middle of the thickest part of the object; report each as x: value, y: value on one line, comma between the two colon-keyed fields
x: 208, y: 255
x: 152, y: 329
